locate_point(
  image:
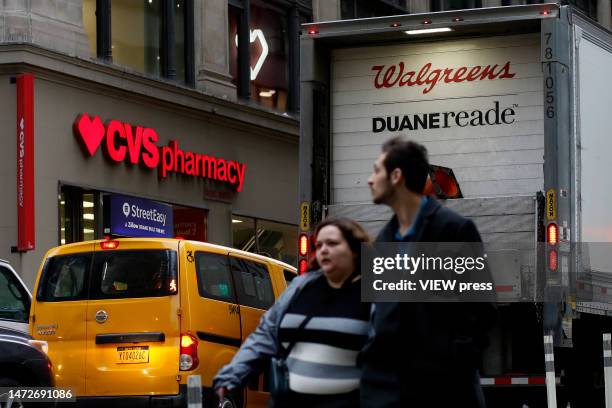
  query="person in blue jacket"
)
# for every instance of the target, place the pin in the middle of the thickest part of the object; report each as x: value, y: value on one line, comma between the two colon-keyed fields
x: 318, y: 325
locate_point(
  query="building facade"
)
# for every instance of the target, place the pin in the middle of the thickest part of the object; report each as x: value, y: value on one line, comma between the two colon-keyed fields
x: 148, y: 118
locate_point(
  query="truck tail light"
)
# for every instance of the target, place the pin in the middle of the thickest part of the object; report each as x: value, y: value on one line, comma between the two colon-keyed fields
x: 552, y: 234
x: 303, y: 245
x: 189, y: 352
x: 303, y: 252
x: 303, y: 266
x: 553, y: 260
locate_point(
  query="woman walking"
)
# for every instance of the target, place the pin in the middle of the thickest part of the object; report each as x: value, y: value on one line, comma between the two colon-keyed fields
x: 317, y: 327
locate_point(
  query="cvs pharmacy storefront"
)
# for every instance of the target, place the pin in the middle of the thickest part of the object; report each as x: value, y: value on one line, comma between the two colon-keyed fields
x: 152, y: 160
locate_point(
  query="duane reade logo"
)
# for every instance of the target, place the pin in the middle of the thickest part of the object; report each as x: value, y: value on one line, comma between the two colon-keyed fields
x: 144, y: 214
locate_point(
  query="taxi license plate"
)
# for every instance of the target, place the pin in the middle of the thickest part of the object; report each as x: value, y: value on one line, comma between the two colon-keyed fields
x: 132, y: 355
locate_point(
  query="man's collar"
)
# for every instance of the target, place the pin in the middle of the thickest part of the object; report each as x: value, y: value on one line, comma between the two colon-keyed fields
x: 415, y: 221
x: 387, y: 234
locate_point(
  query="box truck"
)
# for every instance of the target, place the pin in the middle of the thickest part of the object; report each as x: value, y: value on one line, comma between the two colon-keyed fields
x: 513, y: 105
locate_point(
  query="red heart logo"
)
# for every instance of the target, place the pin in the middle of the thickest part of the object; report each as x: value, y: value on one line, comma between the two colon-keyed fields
x: 91, y: 131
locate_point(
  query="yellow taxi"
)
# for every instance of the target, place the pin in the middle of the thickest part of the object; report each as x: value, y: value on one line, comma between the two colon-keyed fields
x: 129, y: 320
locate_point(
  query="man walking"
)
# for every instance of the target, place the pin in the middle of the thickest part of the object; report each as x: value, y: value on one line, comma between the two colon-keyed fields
x: 421, y: 354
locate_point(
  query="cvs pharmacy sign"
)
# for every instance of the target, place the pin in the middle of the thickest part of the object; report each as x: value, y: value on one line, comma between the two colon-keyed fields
x: 123, y: 142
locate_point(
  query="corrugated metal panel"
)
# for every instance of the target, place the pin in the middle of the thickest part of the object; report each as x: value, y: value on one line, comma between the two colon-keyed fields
x: 488, y: 160
x: 504, y: 219
x: 507, y: 227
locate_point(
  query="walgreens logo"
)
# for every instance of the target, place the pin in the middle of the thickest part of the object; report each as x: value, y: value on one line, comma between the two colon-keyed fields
x: 138, y: 145
x: 427, y: 78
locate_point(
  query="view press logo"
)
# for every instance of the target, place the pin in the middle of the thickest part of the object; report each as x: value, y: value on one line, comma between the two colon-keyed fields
x: 138, y: 145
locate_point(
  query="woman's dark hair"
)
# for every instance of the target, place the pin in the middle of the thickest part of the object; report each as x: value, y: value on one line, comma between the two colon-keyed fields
x: 351, y: 231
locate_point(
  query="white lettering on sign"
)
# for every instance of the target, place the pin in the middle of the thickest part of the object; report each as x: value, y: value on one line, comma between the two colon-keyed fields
x: 143, y: 214
x: 20, y: 162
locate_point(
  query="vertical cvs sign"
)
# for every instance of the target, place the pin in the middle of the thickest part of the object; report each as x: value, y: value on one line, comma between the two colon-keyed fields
x: 25, y: 163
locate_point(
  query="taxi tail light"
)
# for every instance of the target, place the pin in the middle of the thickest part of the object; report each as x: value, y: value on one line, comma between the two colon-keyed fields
x: 189, y: 352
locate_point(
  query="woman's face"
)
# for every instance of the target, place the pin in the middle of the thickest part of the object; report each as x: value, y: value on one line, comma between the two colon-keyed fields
x: 334, y: 255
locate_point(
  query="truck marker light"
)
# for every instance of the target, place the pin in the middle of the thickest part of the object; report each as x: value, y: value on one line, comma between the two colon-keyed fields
x: 553, y: 234
x: 552, y: 260
x: 545, y: 12
x: 313, y: 31
x: 303, y: 266
x: 429, y: 30
x: 426, y: 22
x: 457, y: 19
x: 395, y: 25
x: 303, y: 245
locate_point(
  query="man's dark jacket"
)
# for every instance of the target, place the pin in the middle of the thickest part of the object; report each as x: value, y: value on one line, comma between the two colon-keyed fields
x: 427, y: 354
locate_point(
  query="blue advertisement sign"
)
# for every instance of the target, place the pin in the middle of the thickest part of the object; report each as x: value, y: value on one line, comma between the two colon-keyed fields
x: 137, y: 217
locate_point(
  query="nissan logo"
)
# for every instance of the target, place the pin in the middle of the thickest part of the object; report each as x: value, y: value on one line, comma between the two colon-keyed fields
x: 101, y: 316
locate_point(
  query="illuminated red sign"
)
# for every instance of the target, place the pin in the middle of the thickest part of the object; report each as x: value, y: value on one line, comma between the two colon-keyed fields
x: 25, y: 163
x: 138, y: 145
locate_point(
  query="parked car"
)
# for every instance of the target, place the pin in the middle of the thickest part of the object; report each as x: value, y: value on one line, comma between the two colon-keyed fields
x: 129, y: 320
x: 15, y: 299
x: 23, y: 361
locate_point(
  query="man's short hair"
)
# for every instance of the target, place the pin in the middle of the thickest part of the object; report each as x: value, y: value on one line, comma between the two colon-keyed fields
x: 411, y: 158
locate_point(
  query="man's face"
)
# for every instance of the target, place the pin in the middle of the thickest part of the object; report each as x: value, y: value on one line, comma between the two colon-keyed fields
x: 380, y: 184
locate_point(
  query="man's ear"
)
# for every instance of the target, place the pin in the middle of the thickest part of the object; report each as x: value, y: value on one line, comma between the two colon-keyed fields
x: 396, y: 176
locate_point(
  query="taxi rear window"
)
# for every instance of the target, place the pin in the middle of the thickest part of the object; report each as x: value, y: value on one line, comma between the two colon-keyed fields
x: 109, y: 275
x: 133, y: 274
x: 64, y: 278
